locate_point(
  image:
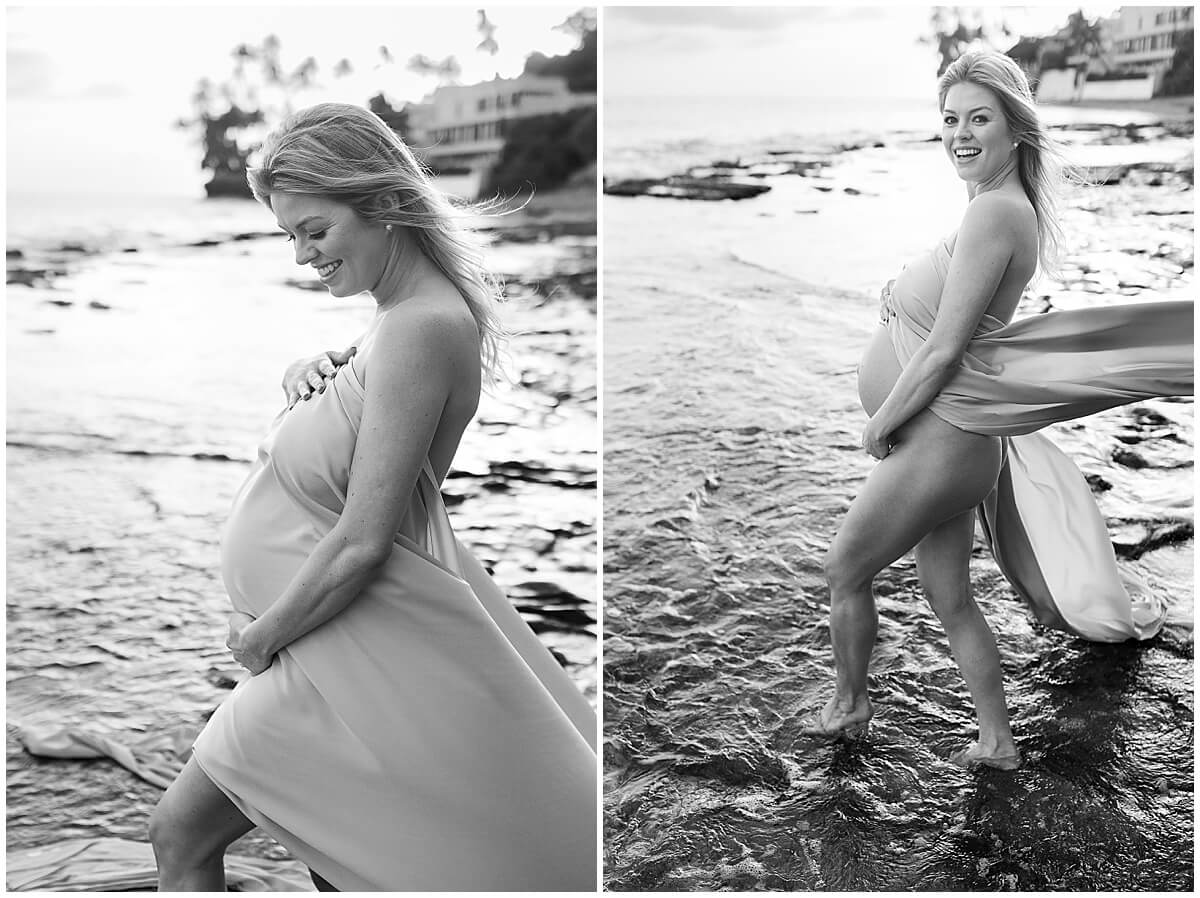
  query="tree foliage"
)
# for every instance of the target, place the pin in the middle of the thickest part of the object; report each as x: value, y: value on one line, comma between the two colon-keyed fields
x: 228, y: 117
x: 957, y: 29
x: 446, y: 71
x: 544, y: 151
x: 578, y: 66
x: 1181, y: 77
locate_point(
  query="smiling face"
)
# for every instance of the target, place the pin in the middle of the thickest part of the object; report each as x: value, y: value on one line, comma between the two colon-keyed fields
x: 975, y: 133
x: 348, y: 252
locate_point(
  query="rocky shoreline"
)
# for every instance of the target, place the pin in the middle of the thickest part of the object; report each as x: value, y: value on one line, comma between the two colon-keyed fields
x: 742, y: 178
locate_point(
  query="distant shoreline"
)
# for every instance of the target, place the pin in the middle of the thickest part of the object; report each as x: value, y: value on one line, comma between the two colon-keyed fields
x: 1167, y: 108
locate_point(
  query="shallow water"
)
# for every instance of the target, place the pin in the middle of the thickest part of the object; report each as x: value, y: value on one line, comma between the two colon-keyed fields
x: 139, y: 386
x: 732, y: 331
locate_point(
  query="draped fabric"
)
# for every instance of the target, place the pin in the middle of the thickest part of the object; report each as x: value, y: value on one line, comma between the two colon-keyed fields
x: 423, y: 738
x: 1040, y: 520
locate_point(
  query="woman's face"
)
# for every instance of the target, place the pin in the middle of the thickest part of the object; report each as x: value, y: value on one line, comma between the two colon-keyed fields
x: 974, y: 132
x: 347, y: 251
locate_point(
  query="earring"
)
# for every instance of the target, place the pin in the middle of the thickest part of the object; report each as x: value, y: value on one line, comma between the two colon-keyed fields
x: 389, y: 227
x: 1015, y: 145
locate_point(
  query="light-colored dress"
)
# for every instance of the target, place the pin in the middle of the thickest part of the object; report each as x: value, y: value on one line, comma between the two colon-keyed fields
x: 423, y: 738
x: 1040, y: 520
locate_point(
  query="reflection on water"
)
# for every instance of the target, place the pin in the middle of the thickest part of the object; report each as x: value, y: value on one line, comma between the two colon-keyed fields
x: 731, y: 453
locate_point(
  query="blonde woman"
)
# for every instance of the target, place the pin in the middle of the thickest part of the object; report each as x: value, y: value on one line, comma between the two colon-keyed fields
x: 403, y: 728
x: 954, y: 392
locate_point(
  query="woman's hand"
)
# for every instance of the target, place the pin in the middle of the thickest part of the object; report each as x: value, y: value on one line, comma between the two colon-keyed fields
x: 242, y: 643
x: 875, y: 441
x: 885, y: 297
x: 304, y: 376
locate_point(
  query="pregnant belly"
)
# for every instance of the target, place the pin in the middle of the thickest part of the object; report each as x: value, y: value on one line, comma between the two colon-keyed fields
x: 877, y: 372
x: 265, y: 542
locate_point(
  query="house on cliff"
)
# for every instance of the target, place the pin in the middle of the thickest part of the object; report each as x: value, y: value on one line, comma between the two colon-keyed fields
x: 1130, y: 60
x: 463, y: 127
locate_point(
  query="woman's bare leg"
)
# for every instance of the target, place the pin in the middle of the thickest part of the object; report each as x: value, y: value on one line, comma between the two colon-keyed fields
x: 934, y: 472
x: 190, y: 829
x: 943, y: 560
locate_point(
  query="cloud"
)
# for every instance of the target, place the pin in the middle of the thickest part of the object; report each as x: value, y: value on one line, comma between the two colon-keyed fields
x: 736, y: 18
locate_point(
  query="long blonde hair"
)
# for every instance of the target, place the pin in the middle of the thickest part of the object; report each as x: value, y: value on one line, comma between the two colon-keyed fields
x: 348, y: 154
x: 1039, y: 159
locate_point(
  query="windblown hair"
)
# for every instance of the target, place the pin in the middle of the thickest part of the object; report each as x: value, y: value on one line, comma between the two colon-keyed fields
x: 348, y: 154
x: 1039, y: 160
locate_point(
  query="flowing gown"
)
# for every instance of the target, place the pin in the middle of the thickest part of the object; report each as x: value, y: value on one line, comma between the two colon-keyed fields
x: 1040, y: 520
x: 423, y: 738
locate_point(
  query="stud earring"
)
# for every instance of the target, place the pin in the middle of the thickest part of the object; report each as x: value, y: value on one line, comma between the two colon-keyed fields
x: 389, y: 227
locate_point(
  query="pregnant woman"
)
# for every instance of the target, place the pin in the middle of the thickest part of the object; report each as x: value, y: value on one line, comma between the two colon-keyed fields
x: 954, y: 393
x: 403, y: 729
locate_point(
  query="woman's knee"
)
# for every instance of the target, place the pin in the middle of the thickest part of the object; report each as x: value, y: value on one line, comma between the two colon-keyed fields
x: 845, y: 573
x: 176, y: 842
x: 949, y: 601
x: 164, y: 832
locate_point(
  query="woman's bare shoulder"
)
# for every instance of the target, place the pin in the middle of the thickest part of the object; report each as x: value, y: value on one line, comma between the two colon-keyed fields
x: 430, y: 322
x: 1000, y: 207
x: 999, y: 219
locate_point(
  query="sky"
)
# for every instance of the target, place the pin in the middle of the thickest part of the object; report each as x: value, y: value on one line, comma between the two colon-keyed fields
x: 834, y: 51
x: 93, y: 91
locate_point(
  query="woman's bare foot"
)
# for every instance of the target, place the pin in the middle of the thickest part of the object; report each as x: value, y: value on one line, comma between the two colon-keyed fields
x: 974, y: 755
x: 840, y: 719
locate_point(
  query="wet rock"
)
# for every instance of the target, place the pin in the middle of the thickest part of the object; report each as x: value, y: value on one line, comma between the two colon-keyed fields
x: 684, y: 188
x: 1097, y: 483
x: 1145, y: 417
x: 61, y: 303
x: 1129, y: 458
x: 97, y: 304
x: 1133, y: 540
x: 225, y: 677
x: 13, y: 254
x: 315, y: 286
x: 542, y: 590
x: 31, y: 277
x: 540, y: 231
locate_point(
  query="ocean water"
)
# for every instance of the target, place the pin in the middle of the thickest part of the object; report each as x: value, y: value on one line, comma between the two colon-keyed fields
x: 146, y: 340
x: 660, y: 135
x: 731, y: 434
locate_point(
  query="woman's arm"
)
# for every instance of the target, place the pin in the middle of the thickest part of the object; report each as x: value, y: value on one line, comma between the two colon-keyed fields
x: 412, y: 376
x: 984, y: 248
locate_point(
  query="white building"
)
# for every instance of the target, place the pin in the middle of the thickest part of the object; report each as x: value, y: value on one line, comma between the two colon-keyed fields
x: 465, y: 125
x: 1139, y: 47
x: 1144, y: 38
